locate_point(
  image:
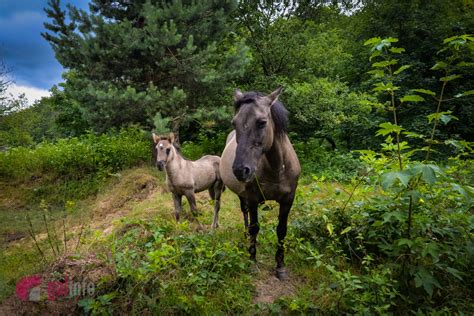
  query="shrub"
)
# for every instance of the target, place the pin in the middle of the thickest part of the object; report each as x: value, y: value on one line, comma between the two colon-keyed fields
x: 317, y: 160
x: 77, y: 157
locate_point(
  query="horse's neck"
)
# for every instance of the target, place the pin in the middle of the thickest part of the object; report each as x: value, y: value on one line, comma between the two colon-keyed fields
x: 275, y: 155
x: 174, y: 165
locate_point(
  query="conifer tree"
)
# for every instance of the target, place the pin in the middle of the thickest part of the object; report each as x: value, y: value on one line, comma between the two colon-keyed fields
x: 127, y: 60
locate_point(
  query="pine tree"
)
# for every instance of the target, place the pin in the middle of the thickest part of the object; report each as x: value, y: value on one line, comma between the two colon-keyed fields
x: 128, y: 60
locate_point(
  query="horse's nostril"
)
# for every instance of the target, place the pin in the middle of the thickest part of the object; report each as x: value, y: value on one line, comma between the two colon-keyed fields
x: 245, y: 171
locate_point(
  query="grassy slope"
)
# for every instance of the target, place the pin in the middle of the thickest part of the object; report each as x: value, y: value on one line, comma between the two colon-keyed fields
x: 132, y: 208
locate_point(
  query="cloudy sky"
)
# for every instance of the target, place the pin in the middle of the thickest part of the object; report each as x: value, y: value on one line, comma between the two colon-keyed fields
x: 29, y: 57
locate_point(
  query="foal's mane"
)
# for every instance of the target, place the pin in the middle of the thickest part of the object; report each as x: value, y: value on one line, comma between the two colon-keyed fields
x: 278, y: 110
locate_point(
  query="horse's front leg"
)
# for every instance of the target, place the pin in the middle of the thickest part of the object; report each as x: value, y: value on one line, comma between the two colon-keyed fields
x: 192, y: 201
x: 177, y: 205
x: 285, y: 207
x: 253, y: 228
x: 245, y: 211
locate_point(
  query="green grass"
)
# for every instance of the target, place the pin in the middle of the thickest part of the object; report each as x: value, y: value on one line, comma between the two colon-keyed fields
x: 161, y: 266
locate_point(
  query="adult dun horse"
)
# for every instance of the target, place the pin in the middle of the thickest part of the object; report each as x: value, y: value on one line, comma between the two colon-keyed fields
x: 186, y: 177
x: 259, y: 163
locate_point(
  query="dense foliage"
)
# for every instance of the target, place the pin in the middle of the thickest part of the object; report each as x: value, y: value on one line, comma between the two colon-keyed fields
x: 380, y: 95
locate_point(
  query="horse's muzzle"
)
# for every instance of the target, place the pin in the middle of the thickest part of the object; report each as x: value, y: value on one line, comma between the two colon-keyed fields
x: 243, y: 173
x: 160, y: 165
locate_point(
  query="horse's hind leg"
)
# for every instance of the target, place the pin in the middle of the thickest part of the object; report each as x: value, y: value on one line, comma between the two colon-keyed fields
x: 177, y: 205
x: 216, y: 190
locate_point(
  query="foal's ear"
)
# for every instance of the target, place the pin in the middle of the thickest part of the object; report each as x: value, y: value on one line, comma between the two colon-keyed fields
x: 156, y: 138
x: 171, y: 138
x: 274, y: 95
x: 238, y: 95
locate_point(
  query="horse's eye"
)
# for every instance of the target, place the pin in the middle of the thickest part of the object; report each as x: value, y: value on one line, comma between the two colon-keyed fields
x: 168, y: 151
x: 261, y: 124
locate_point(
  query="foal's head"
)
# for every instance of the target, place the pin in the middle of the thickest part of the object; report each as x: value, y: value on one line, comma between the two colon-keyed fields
x: 259, y: 119
x: 163, y: 145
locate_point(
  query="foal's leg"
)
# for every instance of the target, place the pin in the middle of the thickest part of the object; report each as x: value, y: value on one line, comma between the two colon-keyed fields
x: 253, y: 229
x: 192, y: 201
x: 177, y: 205
x: 217, y: 188
x: 285, y: 207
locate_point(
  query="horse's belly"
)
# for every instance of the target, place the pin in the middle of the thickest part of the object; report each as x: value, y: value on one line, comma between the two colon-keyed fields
x: 225, y: 167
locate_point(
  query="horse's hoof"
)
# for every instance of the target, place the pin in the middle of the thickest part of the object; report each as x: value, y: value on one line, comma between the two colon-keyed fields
x: 254, y: 269
x: 282, y: 274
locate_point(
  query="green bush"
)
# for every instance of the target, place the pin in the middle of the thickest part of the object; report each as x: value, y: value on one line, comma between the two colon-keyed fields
x: 422, y: 263
x: 320, y: 161
x: 72, y: 168
x: 205, y: 145
x: 77, y: 157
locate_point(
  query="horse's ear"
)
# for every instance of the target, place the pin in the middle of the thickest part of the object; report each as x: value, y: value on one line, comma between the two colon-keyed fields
x: 274, y: 95
x: 238, y: 95
x: 156, y: 138
x: 171, y: 138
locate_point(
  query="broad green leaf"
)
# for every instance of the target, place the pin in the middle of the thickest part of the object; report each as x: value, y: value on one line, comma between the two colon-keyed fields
x: 426, y: 279
x: 389, y: 87
x: 391, y: 178
x: 384, y: 63
x: 449, y: 78
x: 387, y: 128
x: 376, y: 53
x: 439, y: 65
x: 464, y: 94
x: 425, y: 91
x: 450, y: 39
x: 404, y: 145
x: 454, y: 272
x: 330, y: 228
x: 445, y: 117
x: 404, y: 241
x: 372, y: 40
x: 426, y: 171
x: 465, y: 64
x: 346, y: 230
x: 398, y: 215
x: 413, y: 135
x: 412, y: 98
x: 402, y: 68
x: 376, y: 73
x: 397, y: 50
x: 465, y: 191
x: 431, y: 249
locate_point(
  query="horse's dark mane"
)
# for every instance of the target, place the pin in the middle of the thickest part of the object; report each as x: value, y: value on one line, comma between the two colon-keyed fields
x: 278, y: 110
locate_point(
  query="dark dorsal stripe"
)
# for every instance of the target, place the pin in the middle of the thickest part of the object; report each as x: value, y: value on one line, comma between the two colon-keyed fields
x: 279, y: 112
